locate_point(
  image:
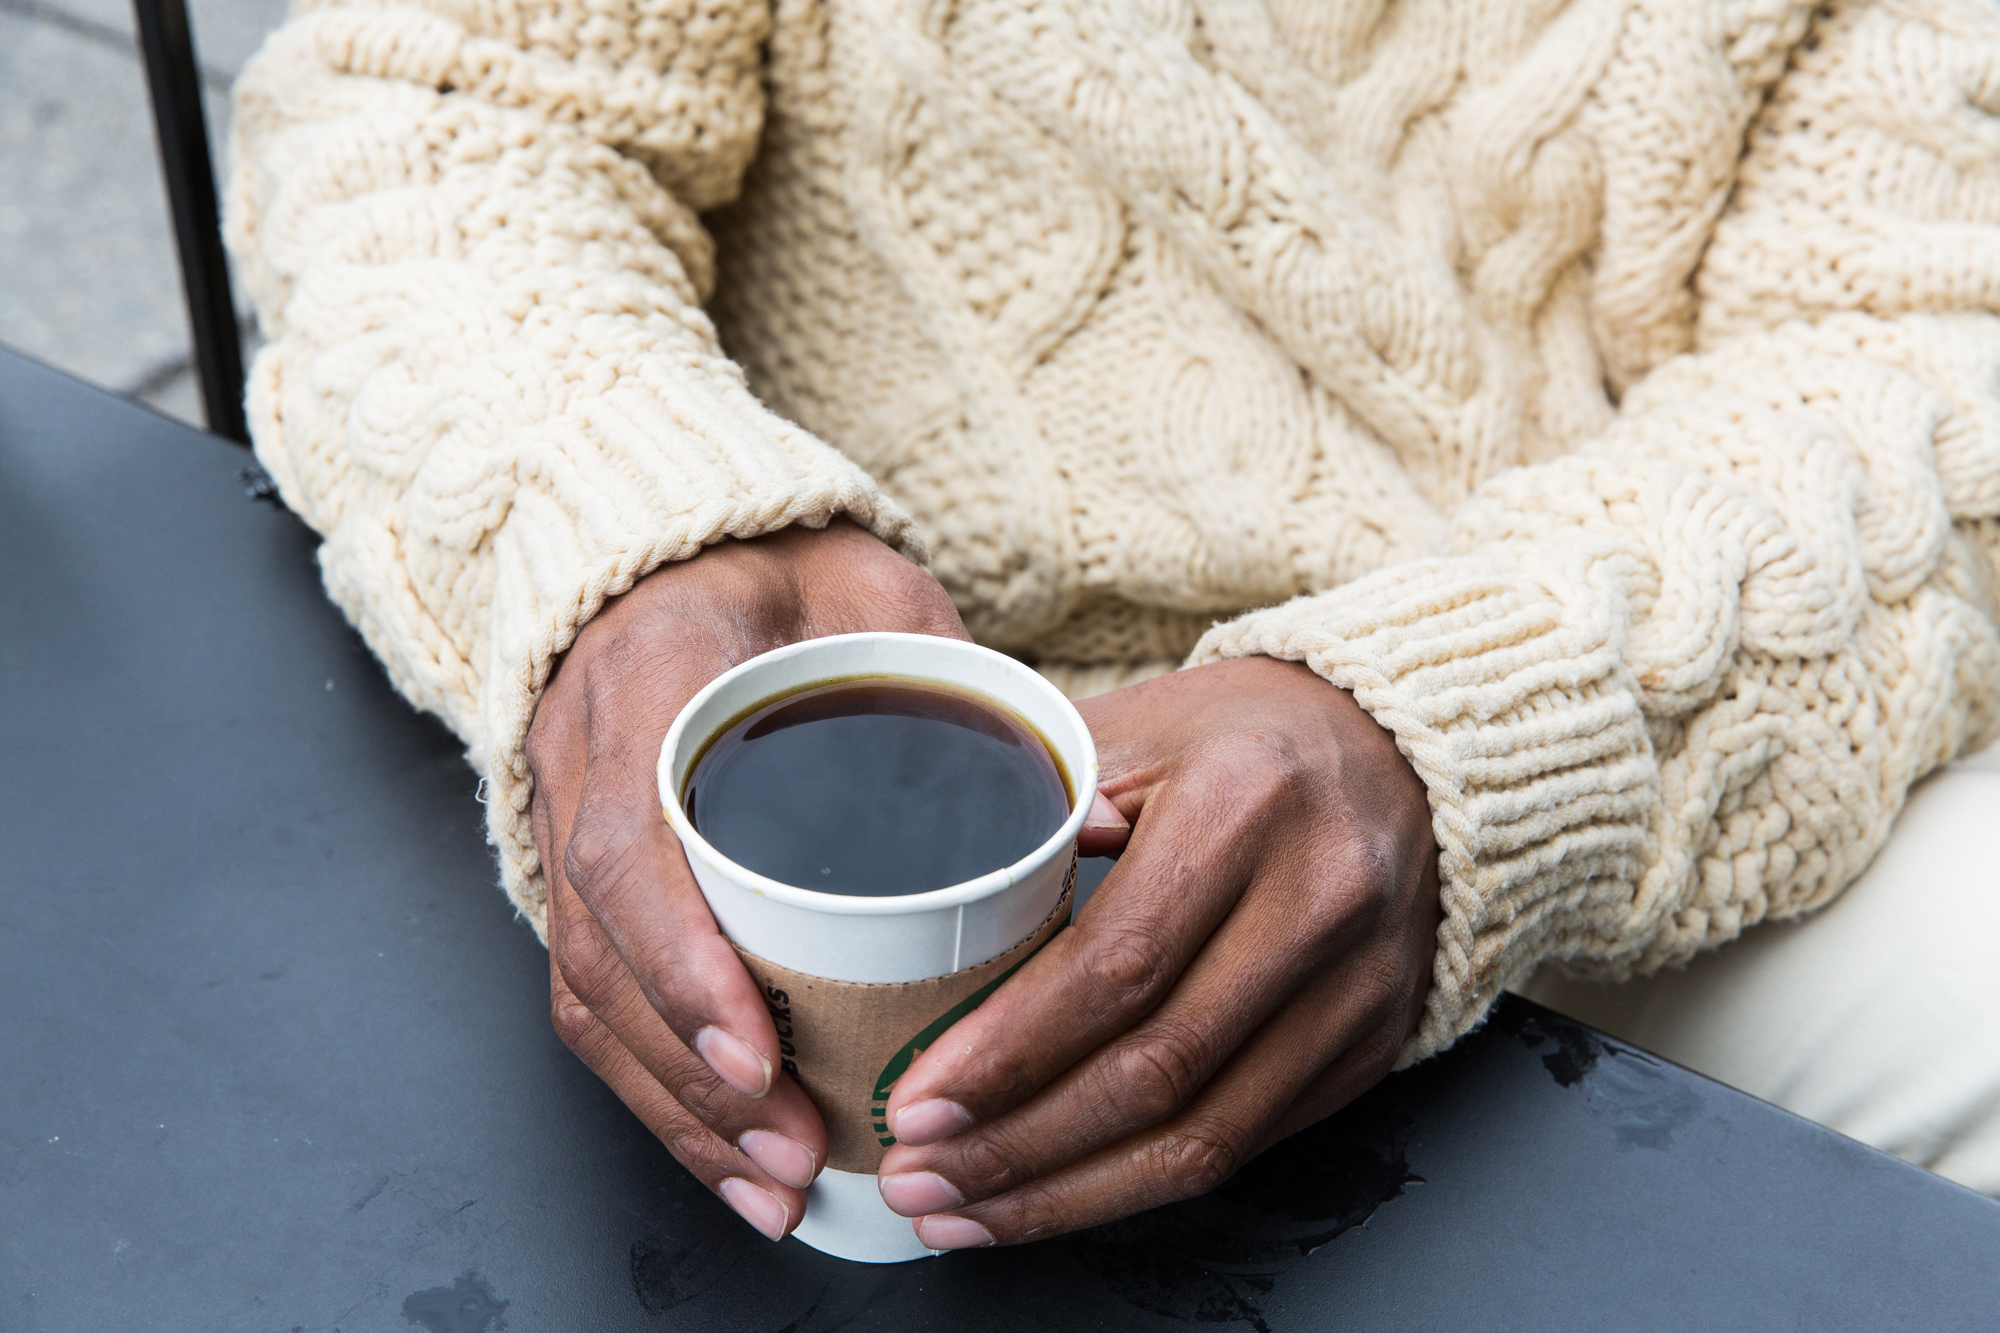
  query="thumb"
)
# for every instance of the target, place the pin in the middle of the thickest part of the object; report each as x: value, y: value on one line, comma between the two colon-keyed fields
x: 1105, y: 831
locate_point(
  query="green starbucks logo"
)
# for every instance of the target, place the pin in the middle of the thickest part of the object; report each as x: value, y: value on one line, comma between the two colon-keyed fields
x: 899, y: 1063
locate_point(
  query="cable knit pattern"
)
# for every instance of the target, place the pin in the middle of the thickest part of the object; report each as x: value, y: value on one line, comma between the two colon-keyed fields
x: 1678, y: 681
x: 490, y: 382
x: 1606, y: 392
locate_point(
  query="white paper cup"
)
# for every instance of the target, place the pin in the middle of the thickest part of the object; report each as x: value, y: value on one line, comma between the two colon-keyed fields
x: 881, y: 940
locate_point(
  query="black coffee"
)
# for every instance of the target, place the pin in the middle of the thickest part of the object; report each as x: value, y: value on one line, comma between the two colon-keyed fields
x: 877, y: 787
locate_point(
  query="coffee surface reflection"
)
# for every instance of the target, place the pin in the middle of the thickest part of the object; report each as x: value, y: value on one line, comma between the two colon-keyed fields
x: 876, y: 788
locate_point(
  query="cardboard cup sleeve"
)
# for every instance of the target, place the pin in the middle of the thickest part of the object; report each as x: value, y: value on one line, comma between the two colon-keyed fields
x: 848, y: 1042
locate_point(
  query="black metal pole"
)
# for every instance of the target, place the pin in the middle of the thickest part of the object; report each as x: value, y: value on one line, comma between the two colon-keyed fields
x: 175, y: 79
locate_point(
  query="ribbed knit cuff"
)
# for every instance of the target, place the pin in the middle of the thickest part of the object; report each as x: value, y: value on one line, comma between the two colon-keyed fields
x: 1504, y: 687
x: 630, y: 486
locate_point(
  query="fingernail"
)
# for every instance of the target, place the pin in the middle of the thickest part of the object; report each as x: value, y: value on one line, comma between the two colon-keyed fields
x: 787, y: 1159
x: 1104, y: 815
x: 914, y: 1193
x: 734, y: 1061
x: 952, y: 1233
x: 927, y: 1122
x: 760, y: 1208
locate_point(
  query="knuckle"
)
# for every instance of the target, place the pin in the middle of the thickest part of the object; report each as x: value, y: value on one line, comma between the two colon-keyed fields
x: 1376, y: 860
x: 898, y: 590
x: 1028, y: 1212
x: 1252, y: 778
x: 586, y: 962
x: 692, y: 1143
x: 991, y: 1162
x: 1129, y: 971
x: 1041, y: 1216
x: 1158, y: 1075
x: 1008, y: 1079
x: 1359, y: 891
x: 708, y: 1099
x: 1327, y: 908
x: 599, y: 853
x: 581, y: 976
x: 571, y: 1018
x: 1196, y: 1160
x: 1266, y: 760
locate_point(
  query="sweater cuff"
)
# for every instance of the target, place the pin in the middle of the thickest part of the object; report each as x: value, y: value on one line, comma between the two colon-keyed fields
x: 618, y: 490
x: 1504, y: 686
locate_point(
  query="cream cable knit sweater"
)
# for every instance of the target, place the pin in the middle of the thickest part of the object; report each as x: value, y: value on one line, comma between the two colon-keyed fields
x: 1613, y: 387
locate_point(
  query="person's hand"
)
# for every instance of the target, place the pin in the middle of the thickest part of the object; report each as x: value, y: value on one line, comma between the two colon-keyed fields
x: 643, y: 986
x: 1254, y: 961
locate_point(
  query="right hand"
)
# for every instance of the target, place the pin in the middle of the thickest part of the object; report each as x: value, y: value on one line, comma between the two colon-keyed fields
x: 643, y: 986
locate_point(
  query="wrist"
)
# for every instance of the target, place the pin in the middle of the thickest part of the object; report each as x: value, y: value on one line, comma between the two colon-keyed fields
x: 742, y: 596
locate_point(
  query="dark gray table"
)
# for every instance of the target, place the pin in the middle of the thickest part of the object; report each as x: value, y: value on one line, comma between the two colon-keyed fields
x: 276, y: 1056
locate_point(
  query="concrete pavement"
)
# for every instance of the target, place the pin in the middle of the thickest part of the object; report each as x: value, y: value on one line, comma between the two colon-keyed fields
x: 88, y: 277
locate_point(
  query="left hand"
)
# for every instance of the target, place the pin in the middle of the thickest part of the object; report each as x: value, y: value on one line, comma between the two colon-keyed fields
x: 1255, y: 961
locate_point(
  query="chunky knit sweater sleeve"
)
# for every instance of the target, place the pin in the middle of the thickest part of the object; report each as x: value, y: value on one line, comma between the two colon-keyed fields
x: 490, y: 384
x: 1678, y: 681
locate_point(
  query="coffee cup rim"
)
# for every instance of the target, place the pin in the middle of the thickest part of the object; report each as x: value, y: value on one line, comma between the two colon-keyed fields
x: 953, y: 895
